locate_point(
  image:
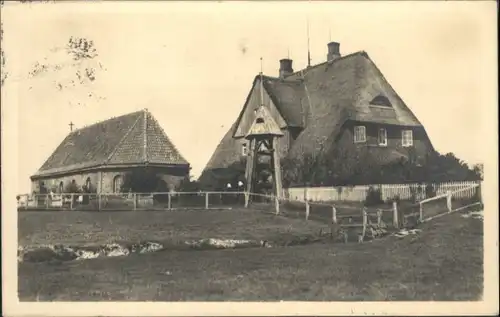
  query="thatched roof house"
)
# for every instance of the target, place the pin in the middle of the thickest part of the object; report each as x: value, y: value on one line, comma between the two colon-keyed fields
x: 342, y: 102
x: 98, y: 155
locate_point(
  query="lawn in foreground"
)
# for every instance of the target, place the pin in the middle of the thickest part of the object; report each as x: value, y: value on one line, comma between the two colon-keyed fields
x: 99, y: 228
x: 443, y: 262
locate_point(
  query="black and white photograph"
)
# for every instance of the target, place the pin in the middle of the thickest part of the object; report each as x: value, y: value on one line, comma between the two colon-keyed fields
x: 304, y: 157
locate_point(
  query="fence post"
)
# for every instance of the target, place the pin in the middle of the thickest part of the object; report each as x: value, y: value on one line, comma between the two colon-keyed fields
x: 395, y: 220
x: 448, y: 200
x: 206, y: 200
x: 365, y: 222
x: 305, y: 194
x: 277, y: 203
x: 478, y: 193
x: 99, y: 202
x: 421, y: 212
x: 134, y: 196
x: 307, y: 210
x: 47, y: 201
x: 334, y: 214
x: 71, y: 202
x: 379, y: 217
x: 247, y: 198
x: 169, y: 203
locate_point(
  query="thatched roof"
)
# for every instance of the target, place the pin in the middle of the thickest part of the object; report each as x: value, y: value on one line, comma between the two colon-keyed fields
x: 132, y: 139
x: 321, y: 98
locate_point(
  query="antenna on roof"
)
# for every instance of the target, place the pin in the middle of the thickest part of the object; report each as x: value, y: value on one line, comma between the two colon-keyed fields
x: 308, y: 47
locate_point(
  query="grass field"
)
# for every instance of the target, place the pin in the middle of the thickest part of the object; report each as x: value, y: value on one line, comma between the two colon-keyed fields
x: 443, y: 262
x: 98, y: 228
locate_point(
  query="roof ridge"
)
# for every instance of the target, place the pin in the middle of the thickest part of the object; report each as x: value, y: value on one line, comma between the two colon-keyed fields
x: 305, y: 70
x: 103, y: 121
x: 122, y: 140
x: 362, y: 52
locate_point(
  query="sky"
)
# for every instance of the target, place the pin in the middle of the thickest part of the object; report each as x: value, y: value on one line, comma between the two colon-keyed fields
x: 192, y: 65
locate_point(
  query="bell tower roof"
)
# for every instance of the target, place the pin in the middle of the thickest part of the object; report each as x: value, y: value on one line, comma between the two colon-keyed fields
x: 263, y: 125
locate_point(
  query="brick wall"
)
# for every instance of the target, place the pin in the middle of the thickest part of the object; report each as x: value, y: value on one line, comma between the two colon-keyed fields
x: 102, y: 181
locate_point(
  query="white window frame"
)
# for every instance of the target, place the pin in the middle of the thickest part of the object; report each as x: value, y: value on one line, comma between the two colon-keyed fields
x: 382, y: 131
x: 359, y: 134
x: 408, y: 140
x: 244, y: 149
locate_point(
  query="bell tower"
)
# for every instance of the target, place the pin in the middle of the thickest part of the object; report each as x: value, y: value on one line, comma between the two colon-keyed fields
x: 263, y: 141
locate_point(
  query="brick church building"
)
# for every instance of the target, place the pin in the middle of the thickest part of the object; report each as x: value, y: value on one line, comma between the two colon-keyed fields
x: 98, y: 156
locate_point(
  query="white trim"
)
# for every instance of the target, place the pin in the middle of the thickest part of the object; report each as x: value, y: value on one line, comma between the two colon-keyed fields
x: 409, y: 140
x: 359, y: 128
x: 381, y: 107
x: 385, y: 137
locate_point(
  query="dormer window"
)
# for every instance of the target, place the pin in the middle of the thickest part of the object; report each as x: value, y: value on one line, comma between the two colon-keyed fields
x: 381, y: 101
x: 259, y: 120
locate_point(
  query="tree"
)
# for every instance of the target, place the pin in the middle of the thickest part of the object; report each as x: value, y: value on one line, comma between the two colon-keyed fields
x: 188, y: 185
x: 143, y: 180
x: 218, y: 179
x: 359, y: 166
x: 478, y: 169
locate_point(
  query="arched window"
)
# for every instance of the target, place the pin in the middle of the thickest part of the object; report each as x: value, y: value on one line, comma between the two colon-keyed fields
x: 381, y: 101
x: 117, y: 183
x: 61, y: 187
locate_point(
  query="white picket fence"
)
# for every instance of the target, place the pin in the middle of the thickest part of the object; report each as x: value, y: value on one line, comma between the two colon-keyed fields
x: 388, y: 191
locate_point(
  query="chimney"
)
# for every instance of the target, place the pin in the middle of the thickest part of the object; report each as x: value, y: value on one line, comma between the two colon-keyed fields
x: 285, y: 67
x: 333, y: 51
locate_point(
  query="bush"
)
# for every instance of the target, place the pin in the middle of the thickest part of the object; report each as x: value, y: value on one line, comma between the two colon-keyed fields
x: 396, y: 199
x: 72, y: 188
x: 344, y: 167
x: 142, y: 180
x: 373, y: 197
x: 217, y: 179
x: 188, y: 185
x: 430, y: 191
